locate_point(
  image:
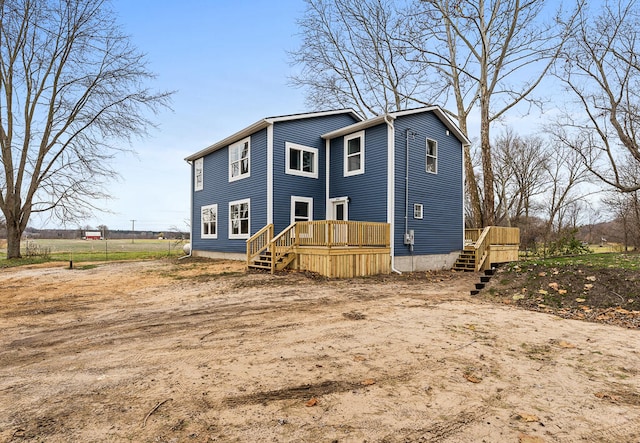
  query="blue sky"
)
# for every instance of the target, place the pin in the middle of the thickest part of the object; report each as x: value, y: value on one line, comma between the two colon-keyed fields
x: 227, y: 63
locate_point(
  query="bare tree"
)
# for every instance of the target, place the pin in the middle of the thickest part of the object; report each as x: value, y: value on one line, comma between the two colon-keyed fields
x: 487, y: 55
x: 601, y: 69
x: 564, y: 174
x: 492, y: 54
x: 71, y: 90
x: 350, y: 57
x: 520, y: 164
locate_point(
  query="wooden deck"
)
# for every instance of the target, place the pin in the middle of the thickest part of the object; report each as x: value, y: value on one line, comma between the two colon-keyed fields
x: 332, y: 248
x: 486, y: 247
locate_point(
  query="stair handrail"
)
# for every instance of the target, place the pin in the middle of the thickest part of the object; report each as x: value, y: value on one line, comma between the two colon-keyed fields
x: 282, y: 244
x: 259, y: 242
x: 480, y: 248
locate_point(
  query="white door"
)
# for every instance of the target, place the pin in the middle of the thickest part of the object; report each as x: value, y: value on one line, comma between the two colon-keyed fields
x: 340, y: 212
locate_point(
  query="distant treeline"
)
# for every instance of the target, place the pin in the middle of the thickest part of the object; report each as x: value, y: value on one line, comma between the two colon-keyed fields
x: 70, y: 234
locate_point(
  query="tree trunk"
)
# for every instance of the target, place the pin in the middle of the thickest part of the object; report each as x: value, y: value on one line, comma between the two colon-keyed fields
x: 488, y: 213
x: 472, y: 189
x: 14, y: 235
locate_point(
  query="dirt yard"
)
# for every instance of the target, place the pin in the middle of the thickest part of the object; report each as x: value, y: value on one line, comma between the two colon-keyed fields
x: 200, y: 351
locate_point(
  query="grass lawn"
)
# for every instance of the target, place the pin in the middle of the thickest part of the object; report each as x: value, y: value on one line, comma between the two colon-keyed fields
x: 44, y: 250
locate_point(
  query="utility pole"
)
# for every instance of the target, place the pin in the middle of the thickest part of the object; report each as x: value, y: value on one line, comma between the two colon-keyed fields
x: 133, y: 229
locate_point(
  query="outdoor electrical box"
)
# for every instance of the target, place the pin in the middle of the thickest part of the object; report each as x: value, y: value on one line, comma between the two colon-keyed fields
x: 409, y: 237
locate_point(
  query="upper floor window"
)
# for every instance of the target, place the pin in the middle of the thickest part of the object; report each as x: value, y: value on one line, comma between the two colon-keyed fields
x: 354, y: 154
x: 198, y: 171
x: 239, y: 221
x: 209, y: 221
x: 239, y: 159
x: 432, y: 156
x: 301, y: 160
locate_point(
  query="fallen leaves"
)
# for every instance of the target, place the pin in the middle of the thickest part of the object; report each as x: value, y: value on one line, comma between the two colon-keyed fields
x: 523, y: 438
x: 528, y: 418
x: 312, y: 402
x: 472, y: 378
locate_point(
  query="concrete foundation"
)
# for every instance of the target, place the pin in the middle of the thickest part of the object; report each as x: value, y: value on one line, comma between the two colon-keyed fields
x: 223, y: 255
x: 434, y: 262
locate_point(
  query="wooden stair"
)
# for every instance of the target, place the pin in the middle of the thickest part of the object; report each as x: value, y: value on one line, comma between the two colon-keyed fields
x: 265, y: 261
x: 466, y: 262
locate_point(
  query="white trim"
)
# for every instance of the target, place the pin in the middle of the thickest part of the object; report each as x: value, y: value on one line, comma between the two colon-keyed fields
x: 335, y: 200
x: 216, y: 223
x: 294, y: 200
x: 427, y: 156
x: 391, y: 167
x: 345, y: 149
x: 198, y: 164
x: 270, y: 174
x: 327, y: 204
x: 240, y: 236
x: 288, y: 146
x: 263, y: 123
x: 240, y: 144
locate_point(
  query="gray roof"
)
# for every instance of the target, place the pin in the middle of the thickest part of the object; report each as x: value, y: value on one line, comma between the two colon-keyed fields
x: 263, y: 123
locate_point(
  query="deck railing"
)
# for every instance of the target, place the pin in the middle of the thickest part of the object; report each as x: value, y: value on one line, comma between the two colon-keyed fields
x: 259, y: 242
x: 340, y: 233
x: 483, y: 239
x: 322, y: 233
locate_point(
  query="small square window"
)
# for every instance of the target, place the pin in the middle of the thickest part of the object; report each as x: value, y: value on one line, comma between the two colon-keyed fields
x: 418, y: 211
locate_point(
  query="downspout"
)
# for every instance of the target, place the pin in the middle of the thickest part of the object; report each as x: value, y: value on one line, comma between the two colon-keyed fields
x: 391, y: 188
x: 190, y: 217
x: 409, y: 132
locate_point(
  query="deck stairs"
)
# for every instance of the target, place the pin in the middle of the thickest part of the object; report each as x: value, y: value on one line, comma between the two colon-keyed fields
x: 264, y: 261
x: 466, y: 261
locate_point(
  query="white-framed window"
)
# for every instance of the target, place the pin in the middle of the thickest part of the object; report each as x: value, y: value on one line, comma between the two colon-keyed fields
x: 239, y: 220
x: 239, y: 154
x: 354, y: 154
x: 302, y: 211
x: 209, y: 221
x: 198, y: 174
x: 301, y: 160
x: 432, y: 156
x: 418, y: 211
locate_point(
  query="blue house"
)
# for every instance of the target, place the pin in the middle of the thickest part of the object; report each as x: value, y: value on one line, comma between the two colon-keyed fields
x: 404, y: 169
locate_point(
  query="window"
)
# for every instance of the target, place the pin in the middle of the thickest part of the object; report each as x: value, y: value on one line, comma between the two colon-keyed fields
x: 239, y: 219
x: 209, y: 221
x: 239, y: 159
x: 354, y: 154
x: 302, y: 211
x: 301, y: 160
x: 198, y: 170
x: 418, y: 211
x: 432, y: 156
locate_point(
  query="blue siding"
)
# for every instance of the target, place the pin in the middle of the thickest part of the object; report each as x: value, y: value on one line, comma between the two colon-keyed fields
x: 441, y: 229
x: 367, y: 192
x: 305, y: 132
x: 218, y: 189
